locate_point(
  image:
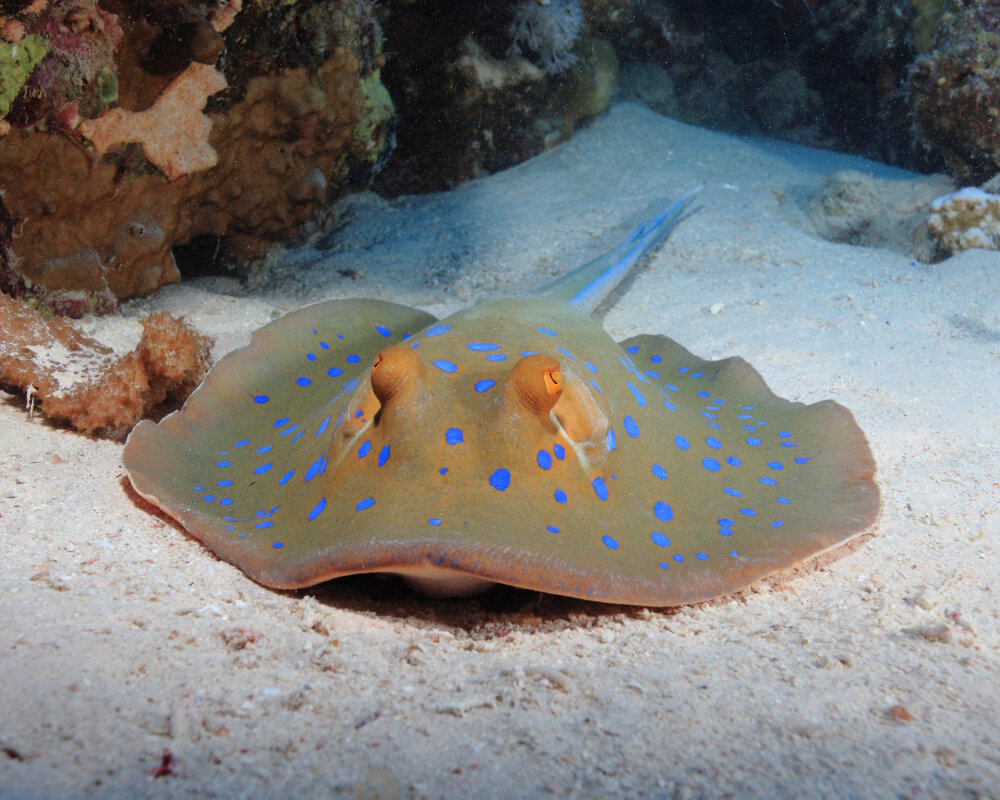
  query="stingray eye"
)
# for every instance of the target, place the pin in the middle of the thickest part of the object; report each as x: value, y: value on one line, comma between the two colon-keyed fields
x: 394, y: 368
x: 553, y: 382
x: 537, y: 382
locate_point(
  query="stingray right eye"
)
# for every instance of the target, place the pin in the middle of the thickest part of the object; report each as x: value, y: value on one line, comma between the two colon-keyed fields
x: 537, y: 382
x: 395, y: 366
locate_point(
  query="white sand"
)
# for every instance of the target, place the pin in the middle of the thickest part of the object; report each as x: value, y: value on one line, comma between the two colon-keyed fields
x: 122, y: 638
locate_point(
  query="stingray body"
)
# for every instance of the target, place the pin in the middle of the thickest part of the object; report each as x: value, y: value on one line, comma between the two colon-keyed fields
x: 513, y: 442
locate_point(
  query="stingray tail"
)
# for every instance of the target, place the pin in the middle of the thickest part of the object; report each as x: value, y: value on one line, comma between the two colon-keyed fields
x: 586, y: 286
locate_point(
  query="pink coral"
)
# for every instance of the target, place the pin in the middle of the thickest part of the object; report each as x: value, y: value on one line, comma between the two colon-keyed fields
x: 173, y: 132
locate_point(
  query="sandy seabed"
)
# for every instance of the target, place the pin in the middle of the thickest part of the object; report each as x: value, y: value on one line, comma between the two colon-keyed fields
x: 136, y: 664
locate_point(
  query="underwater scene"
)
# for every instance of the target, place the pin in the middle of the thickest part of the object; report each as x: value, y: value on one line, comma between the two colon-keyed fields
x: 510, y: 398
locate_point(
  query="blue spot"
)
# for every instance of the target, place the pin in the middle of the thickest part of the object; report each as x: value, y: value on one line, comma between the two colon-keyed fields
x: 596, y: 386
x: 359, y: 413
x: 226, y: 501
x: 198, y: 488
x: 670, y: 387
x: 776, y: 465
x: 310, y: 356
x: 711, y: 464
x: 322, y: 427
x: 659, y: 472
x: 600, y: 488
x: 289, y: 430
x: 208, y: 498
x: 725, y: 531
x: 631, y: 428
x: 551, y: 529
x: 636, y: 394
x: 317, y: 466
x: 547, y: 331
x: 559, y: 450
x: 383, y: 330
x: 753, y: 441
x: 368, y: 502
x: 437, y: 331
x: 260, y: 399
x: 286, y: 477
x: 302, y: 380
x: 664, y: 566
x: 590, y: 366
x: 656, y: 358
x: 609, y: 542
x: 662, y: 511
x: 633, y: 349
x: 226, y: 482
x: 678, y: 558
x: 435, y: 521
x: 744, y: 416
x: 223, y: 463
x: 610, y: 439
x: 529, y: 352
x: 725, y: 523
x: 654, y: 375
x: 749, y: 427
x: 446, y: 366
x: 324, y: 345
x: 566, y: 353
x: 682, y: 370
x: 560, y: 496
x: 363, y: 449
x: 733, y: 492
x: 748, y: 512
x: 500, y: 480
x: 318, y: 509
x: 544, y: 459
x: 681, y: 442
x: 659, y: 539
x: 443, y: 471
x: 242, y: 443
x: 353, y: 358
x: 297, y: 436
x: 708, y: 415
x: 262, y: 469
x: 496, y: 357
x: 802, y: 460
x: 265, y: 524
x: 712, y: 442
x: 485, y: 385
x: 733, y: 461
x: 280, y: 423
x: 701, y: 556
x: 278, y: 545
x: 696, y: 375
x: 777, y: 523
x: 453, y: 436
x: 714, y: 426
x: 383, y: 455
x: 783, y: 500
x: 768, y: 481
x: 333, y: 372
x: 482, y: 346
x: 703, y: 394
x: 734, y: 554
x: 789, y: 444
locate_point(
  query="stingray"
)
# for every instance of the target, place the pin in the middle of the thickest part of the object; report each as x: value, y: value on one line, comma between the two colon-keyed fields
x: 513, y: 442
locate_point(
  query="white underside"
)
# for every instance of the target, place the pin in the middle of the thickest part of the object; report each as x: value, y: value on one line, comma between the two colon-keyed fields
x: 434, y: 582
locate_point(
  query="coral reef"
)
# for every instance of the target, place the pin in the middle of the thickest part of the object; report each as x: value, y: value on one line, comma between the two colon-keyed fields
x: 148, y: 126
x: 548, y: 32
x: 955, y: 89
x: 965, y: 220
x: 71, y: 378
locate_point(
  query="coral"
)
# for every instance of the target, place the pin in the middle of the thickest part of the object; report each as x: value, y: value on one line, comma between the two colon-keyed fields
x: 547, y: 31
x: 125, y: 141
x: 17, y: 61
x: 955, y: 90
x: 72, y: 378
x: 173, y: 132
x: 965, y: 220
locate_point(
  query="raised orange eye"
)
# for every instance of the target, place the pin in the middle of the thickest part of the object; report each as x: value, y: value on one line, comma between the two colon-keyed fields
x: 394, y: 367
x: 378, y: 360
x: 553, y: 382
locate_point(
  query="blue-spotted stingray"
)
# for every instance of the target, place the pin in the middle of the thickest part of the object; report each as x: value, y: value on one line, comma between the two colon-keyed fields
x: 514, y: 442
